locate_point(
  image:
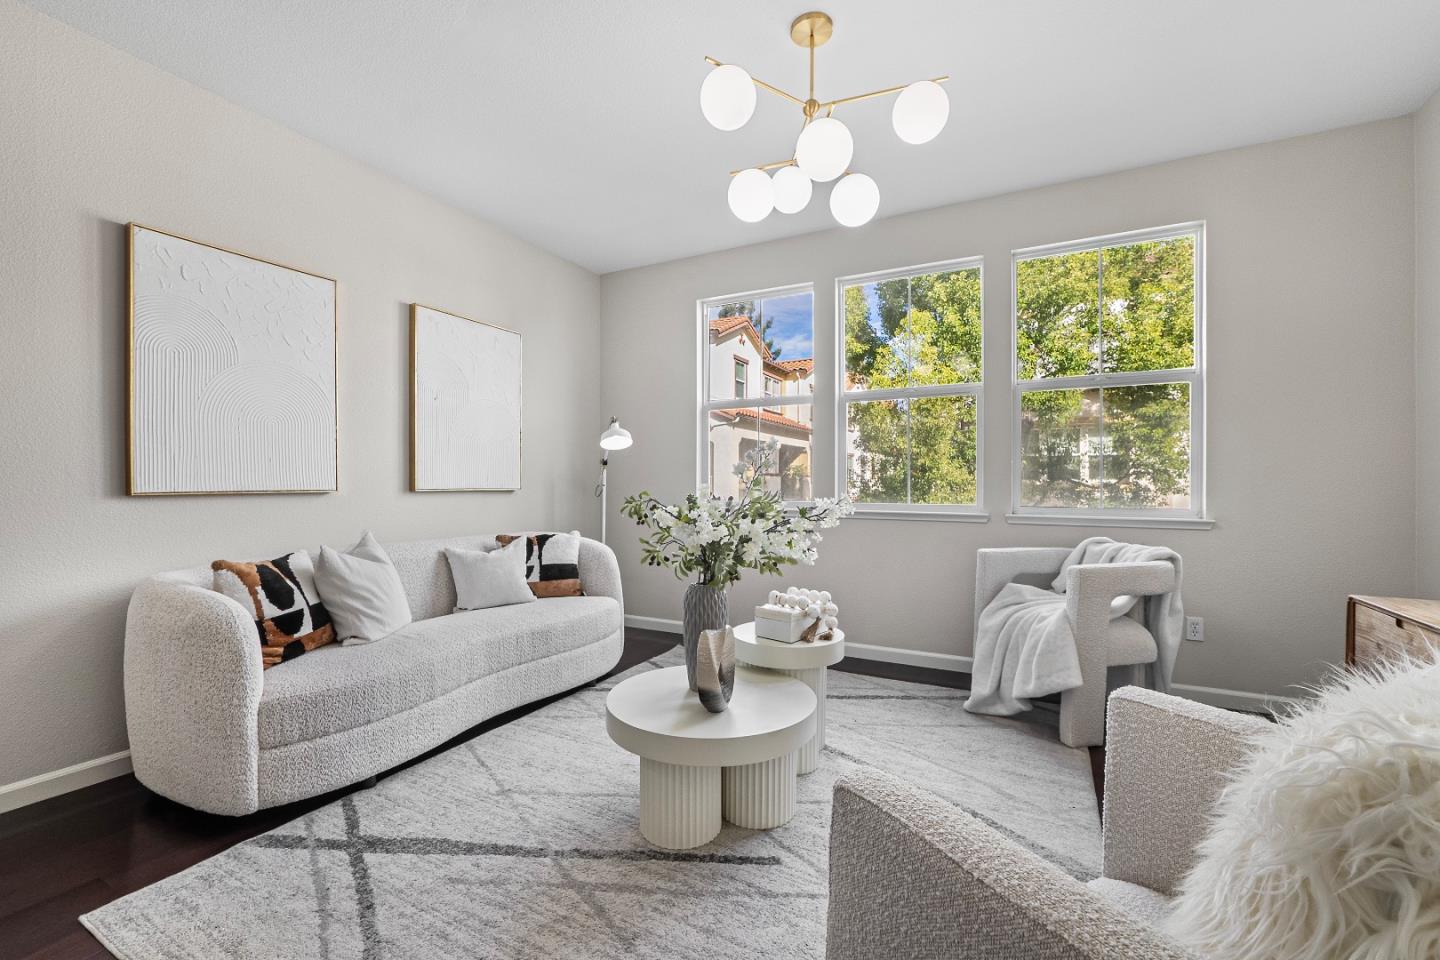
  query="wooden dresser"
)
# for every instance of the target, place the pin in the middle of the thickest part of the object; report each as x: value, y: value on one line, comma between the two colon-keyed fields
x: 1377, y: 628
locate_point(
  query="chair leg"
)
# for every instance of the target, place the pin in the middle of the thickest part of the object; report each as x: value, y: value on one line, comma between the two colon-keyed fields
x: 1082, y: 716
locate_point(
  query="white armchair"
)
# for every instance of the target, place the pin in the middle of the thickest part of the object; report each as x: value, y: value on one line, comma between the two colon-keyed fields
x: 1102, y: 641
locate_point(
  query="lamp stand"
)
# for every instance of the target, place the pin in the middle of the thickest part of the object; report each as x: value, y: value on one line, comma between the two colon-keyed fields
x: 601, y: 491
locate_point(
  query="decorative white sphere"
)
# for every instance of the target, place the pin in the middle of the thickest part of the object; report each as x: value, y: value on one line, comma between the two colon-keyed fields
x: 825, y: 596
x: 831, y: 623
x: 824, y: 149
x: 752, y: 195
x: 813, y: 612
x: 792, y: 189
x: 774, y: 597
x: 854, y: 200
x: 829, y: 610
x: 920, y: 112
x: 727, y: 97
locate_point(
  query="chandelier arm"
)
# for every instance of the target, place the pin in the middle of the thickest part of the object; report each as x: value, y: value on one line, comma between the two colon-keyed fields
x: 763, y: 85
x: 832, y: 104
x: 766, y: 166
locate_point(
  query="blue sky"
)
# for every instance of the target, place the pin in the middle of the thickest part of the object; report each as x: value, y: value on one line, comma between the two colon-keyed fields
x: 792, y: 324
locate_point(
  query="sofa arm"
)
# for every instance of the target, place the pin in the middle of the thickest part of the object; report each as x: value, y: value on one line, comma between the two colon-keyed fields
x: 600, y: 571
x: 997, y: 566
x: 1166, y: 762
x: 192, y: 696
x: 912, y: 876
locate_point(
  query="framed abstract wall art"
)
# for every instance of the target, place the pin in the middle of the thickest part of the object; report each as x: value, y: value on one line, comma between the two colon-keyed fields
x: 465, y: 403
x: 232, y: 372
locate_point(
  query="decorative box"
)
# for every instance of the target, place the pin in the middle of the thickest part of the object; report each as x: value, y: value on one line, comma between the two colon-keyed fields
x: 781, y: 623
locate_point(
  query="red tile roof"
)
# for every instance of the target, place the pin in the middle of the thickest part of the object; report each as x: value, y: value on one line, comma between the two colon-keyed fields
x: 764, y: 416
x: 723, y: 326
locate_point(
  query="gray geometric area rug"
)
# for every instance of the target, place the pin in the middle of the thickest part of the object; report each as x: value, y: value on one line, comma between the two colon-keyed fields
x: 525, y: 842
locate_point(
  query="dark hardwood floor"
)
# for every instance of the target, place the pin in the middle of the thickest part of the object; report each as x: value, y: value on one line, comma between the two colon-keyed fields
x: 70, y: 854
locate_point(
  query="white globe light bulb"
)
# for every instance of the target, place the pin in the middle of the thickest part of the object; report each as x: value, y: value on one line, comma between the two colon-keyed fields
x: 824, y: 149
x: 792, y: 189
x: 752, y: 195
x: 920, y: 112
x: 854, y: 200
x: 727, y: 97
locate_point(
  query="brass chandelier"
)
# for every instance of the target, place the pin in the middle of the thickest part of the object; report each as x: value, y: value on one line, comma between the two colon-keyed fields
x: 825, y: 148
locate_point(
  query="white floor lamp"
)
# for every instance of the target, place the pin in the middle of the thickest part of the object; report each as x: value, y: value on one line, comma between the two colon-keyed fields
x: 615, y: 437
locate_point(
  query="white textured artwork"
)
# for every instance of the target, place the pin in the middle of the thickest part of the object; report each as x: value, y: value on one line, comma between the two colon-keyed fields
x: 232, y: 372
x: 465, y: 429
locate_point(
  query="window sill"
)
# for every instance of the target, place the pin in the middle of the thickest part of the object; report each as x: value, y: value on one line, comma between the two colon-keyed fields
x: 944, y: 516
x: 1100, y: 520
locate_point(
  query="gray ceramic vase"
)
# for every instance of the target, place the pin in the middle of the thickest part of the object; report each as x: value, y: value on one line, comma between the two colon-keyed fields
x: 704, y: 610
x: 715, y: 668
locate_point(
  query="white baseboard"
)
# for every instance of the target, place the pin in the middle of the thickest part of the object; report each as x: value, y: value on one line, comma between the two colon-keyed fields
x: 912, y: 658
x: 1215, y: 696
x: 653, y: 623
x: 25, y: 792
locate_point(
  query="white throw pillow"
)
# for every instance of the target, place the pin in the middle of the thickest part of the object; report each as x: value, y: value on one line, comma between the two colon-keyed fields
x: 362, y: 591
x: 1327, y: 843
x: 493, y: 579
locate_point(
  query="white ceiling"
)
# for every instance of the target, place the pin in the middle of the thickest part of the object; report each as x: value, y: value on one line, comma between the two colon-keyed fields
x: 576, y: 124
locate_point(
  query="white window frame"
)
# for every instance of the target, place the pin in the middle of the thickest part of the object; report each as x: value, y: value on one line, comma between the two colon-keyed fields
x: 1195, y: 516
x: 706, y: 405
x: 910, y: 511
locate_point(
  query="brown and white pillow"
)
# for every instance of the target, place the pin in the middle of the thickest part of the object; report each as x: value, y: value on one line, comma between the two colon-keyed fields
x: 552, y: 563
x: 289, y: 617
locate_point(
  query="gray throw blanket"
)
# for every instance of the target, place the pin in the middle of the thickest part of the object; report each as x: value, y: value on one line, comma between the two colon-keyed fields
x: 1025, y: 647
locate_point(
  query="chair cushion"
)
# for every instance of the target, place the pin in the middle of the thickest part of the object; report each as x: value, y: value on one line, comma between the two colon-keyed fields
x: 339, y: 688
x: 1137, y: 902
x: 1128, y: 642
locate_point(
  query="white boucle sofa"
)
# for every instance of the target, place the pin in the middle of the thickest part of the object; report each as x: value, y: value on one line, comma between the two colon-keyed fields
x: 209, y: 729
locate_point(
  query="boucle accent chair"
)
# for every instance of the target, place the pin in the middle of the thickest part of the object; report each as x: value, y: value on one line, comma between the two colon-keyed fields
x: 212, y: 731
x: 913, y: 877
x: 1101, y: 642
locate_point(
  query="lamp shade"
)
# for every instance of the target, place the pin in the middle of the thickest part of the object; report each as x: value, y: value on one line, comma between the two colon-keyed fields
x: 824, y: 149
x: 615, y: 436
x: 920, y: 112
x: 727, y: 97
x: 751, y: 195
x: 854, y: 200
x: 792, y: 189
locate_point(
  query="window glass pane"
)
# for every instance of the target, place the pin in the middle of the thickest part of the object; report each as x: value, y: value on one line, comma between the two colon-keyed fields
x: 875, y: 448
x: 1057, y: 316
x: 943, y: 334
x: 1149, y: 306
x: 1147, y: 446
x: 772, y: 334
x: 1060, y: 448
x: 942, y: 450
x: 734, y: 433
x: 911, y: 331
x: 874, y: 328
x: 742, y: 376
x: 917, y: 450
x: 1125, y: 448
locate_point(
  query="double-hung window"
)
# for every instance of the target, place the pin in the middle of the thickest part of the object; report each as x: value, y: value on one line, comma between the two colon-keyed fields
x: 1109, y: 377
x: 908, y: 417
x: 757, y: 368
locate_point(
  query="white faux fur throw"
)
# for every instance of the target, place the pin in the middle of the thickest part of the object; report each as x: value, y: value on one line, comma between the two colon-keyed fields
x: 1327, y: 844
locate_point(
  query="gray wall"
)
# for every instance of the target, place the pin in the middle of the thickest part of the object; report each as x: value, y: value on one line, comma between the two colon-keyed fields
x: 91, y: 138
x: 1427, y: 347
x: 1311, y: 425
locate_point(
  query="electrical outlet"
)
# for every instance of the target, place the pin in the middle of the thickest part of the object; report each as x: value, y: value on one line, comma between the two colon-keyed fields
x: 1194, y: 629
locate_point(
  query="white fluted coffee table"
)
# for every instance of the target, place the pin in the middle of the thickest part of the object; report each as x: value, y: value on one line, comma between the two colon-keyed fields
x: 697, y: 767
x: 806, y: 662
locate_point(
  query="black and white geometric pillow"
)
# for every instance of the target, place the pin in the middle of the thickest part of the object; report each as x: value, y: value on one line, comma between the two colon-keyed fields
x: 281, y: 595
x: 552, y: 563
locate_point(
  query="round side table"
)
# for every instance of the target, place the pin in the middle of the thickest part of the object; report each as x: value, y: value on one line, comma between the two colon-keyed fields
x: 807, y: 662
x: 697, y: 766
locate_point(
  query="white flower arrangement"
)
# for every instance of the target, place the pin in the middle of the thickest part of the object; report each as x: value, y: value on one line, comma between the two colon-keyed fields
x: 715, y: 539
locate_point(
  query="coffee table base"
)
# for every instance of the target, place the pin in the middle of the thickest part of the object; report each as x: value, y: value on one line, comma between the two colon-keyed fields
x: 679, y: 805
x: 760, y: 796
x: 814, y: 678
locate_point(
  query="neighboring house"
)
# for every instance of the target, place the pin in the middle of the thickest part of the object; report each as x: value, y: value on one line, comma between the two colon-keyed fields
x: 741, y: 366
